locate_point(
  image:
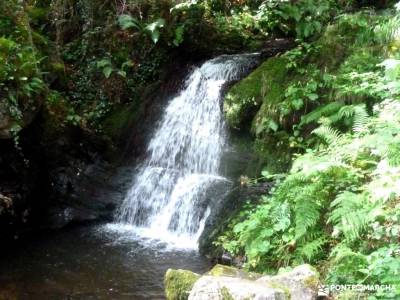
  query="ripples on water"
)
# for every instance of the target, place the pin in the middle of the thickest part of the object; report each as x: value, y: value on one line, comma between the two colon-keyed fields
x: 99, y: 262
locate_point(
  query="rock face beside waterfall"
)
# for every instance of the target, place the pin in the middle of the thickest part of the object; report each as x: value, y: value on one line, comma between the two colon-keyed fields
x: 224, y: 282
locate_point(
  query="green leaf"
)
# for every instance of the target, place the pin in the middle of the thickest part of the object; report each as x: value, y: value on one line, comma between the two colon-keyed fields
x: 127, y: 22
x: 273, y: 125
x: 103, y: 63
x: 155, y: 36
x: 313, y: 96
x: 160, y: 23
x: 107, y: 71
x: 154, y: 29
x: 297, y: 103
x: 127, y: 64
x: 179, y: 33
x: 265, y: 173
x: 122, y: 73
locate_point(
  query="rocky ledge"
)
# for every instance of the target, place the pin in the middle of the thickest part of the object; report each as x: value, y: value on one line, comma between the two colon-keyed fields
x: 229, y: 283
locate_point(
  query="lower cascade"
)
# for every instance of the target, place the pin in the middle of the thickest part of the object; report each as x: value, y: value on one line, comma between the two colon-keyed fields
x: 173, y: 188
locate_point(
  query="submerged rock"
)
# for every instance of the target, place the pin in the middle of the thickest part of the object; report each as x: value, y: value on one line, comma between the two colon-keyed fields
x: 229, y: 283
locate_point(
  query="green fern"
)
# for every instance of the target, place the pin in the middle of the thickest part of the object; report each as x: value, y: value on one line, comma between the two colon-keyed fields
x: 393, y: 154
x: 307, y: 212
x: 311, y: 249
x: 328, y: 134
x: 322, y: 111
x: 127, y: 22
x: 387, y: 31
x: 357, y: 113
x: 360, y: 118
x: 349, y: 214
x: 346, y: 112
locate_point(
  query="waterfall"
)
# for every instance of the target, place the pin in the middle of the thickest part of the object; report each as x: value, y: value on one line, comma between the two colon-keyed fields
x: 171, y: 192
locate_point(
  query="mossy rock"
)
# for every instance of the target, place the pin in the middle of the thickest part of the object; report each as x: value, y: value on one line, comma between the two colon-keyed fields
x: 245, y: 97
x: 274, y: 82
x: 299, y: 283
x: 225, y: 294
x: 178, y: 284
x: 227, y: 271
x: 121, y: 119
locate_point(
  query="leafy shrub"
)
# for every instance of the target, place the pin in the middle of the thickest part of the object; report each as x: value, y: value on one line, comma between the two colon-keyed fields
x: 338, y: 206
x: 21, y: 84
x: 333, y: 206
x: 301, y: 19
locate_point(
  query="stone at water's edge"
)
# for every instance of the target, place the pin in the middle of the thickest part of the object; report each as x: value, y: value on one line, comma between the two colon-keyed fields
x: 228, y: 271
x: 232, y: 288
x: 301, y: 283
x: 178, y: 283
x: 228, y: 283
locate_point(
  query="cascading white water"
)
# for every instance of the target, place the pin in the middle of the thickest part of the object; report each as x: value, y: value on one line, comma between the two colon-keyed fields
x: 169, y: 196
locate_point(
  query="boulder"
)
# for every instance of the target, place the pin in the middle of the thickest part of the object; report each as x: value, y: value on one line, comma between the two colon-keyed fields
x: 233, y: 288
x: 178, y: 284
x: 227, y: 271
x: 229, y: 283
x: 301, y: 283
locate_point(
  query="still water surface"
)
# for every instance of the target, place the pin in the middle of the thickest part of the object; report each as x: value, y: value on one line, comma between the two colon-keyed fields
x: 91, y: 263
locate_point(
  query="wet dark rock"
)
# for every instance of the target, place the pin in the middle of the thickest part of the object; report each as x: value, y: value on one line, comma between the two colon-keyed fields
x: 226, y: 259
x: 217, y: 221
x: 65, y: 174
x: 273, y: 47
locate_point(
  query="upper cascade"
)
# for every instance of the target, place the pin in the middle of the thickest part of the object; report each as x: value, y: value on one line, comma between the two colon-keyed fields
x: 173, y: 187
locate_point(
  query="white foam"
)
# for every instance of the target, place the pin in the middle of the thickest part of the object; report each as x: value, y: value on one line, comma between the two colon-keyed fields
x: 168, y: 200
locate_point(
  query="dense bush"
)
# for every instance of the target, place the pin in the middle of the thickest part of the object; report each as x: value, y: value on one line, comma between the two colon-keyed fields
x: 21, y: 84
x: 338, y: 206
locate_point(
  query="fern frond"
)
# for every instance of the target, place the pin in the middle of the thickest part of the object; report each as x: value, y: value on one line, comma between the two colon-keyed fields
x: 322, y: 111
x: 388, y: 30
x: 328, y: 134
x: 346, y: 112
x: 393, y: 154
x: 360, y: 118
x: 307, y: 212
x: 310, y: 249
x: 342, y: 252
x: 334, y: 118
x: 357, y: 113
x: 349, y: 214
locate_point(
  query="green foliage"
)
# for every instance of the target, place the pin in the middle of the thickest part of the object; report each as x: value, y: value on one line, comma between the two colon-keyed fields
x: 127, y: 22
x: 301, y: 19
x: 328, y: 134
x: 334, y: 89
x: 326, y: 110
x: 152, y: 29
x: 106, y: 66
x: 21, y: 84
x: 333, y: 207
x: 338, y: 205
x: 350, y: 214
